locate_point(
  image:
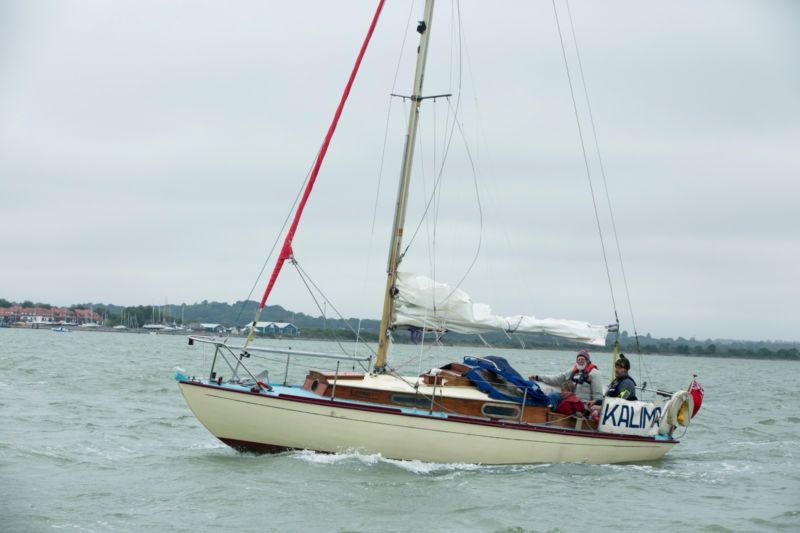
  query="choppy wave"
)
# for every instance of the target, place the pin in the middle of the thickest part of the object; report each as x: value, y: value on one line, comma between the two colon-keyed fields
x: 83, y: 448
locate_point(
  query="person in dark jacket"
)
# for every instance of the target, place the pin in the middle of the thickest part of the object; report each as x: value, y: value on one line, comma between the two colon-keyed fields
x: 623, y: 385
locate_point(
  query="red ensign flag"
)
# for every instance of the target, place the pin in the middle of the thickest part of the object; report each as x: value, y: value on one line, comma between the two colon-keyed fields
x: 696, y: 390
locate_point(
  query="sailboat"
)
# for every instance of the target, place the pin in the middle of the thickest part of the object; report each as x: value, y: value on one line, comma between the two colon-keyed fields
x: 477, y: 410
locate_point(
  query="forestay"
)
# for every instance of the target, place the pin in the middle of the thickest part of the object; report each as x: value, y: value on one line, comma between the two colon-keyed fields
x: 424, y: 303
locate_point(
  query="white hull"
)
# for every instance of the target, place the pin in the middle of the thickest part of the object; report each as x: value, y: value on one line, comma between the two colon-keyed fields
x: 285, y: 419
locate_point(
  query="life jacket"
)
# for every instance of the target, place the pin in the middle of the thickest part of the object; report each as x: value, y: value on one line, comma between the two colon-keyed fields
x: 613, y: 389
x: 582, y: 376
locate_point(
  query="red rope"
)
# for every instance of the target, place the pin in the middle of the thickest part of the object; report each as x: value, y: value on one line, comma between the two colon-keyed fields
x: 286, y: 249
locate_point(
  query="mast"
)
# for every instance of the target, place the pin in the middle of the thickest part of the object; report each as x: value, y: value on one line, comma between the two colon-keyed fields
x: 387, y: 316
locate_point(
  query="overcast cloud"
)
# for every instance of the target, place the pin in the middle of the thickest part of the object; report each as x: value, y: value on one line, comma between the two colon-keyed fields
x: 149, y: 152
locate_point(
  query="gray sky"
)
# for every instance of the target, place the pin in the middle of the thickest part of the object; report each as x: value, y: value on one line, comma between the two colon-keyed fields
x: 149, y: 152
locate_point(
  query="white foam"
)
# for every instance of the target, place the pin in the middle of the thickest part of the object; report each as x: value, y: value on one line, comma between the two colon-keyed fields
x: 421, y: 467
x: 413, y: 466
x: 209, y: 445
x: 652, y: 471
x: 335, y: 458
x: 728, y: 467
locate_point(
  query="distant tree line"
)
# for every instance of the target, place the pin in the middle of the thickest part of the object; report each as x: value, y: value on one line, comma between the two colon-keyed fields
x: 27, y: 304
x: 241, y: 313
x: 712, y: 347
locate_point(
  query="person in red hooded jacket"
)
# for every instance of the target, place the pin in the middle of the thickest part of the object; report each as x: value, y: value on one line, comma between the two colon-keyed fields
x: 570, y: 404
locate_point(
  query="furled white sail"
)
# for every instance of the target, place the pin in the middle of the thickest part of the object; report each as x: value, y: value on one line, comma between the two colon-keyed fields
x: 424, y: 303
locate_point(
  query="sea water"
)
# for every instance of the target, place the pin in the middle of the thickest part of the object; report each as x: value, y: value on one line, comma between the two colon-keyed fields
x: 95, y: 436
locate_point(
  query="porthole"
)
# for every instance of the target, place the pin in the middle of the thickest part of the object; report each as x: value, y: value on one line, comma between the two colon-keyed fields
x: 411, y: 400
x: 494, y: 410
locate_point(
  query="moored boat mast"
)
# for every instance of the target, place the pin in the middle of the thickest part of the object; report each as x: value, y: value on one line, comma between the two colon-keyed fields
x: 387, y: 316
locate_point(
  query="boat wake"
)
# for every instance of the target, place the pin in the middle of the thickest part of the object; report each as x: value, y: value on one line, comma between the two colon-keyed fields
x: 414, y: 467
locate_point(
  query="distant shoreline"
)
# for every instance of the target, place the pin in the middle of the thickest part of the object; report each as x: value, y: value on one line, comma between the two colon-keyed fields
x: 450, y: 343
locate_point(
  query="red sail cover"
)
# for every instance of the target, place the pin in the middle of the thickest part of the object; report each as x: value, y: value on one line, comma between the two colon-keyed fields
x: 286, y: 249
x: 696, y: 390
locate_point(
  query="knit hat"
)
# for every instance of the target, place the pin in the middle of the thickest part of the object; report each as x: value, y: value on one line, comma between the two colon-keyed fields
x: 584, y: 353
x: 623, y: 362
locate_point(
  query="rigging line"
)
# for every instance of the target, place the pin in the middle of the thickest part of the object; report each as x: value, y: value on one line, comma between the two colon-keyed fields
x: 480, y: 209
x: 422, y: 350
x: 432, y: 234
x: 446, y: 139
x: 383, y: 157
x: 435, y: 135
x: 586, y: 162
x: 486, y: 344
x: 304, y: 273
x: 432, y: 398
x: 377, y: 197
x: 428, y: 349
x: 455, y: 70
x: 458, y: 46
x: 509, y: 337
x: 386, y: 128
x: 403, y: 45
x: 483, y: 140
x: 286, y: 249
x: 449, y: 137
x: 275, y: 243
x: 437, y: 189
x: 432, y: 196
x: 313, y: 297
x: 458, y: 123
x: 642, y: 366
x: 603, y: 174
x: 454, y: 65
x: 481, y: 135
x: 420, y: 163
x: 452, y: 47
x: 342, y: 348
x: 430, y: 225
